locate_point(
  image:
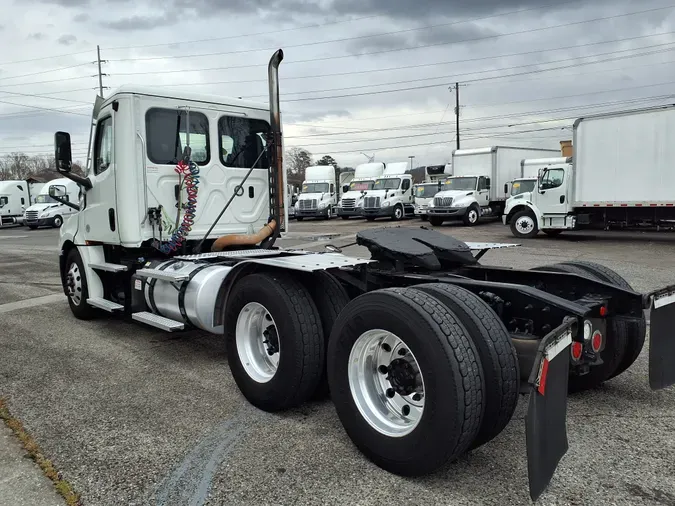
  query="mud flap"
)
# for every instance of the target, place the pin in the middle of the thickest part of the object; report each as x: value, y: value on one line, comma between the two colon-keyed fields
x: 661, y: 338
x: 545, y: 425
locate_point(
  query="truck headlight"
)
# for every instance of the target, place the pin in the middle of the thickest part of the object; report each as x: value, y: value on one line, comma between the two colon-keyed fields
x: 464, y: 203
x: 323, y: 205
x: 386, y: 203
x: 431, y: 204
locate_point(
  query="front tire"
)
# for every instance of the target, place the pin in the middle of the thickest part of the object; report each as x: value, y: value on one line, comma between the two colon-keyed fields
x: 524, y: 225
x: 405, y: 379
x: 424, y: 217
x: 76, y: 287
x: 275, y: 345
x: 58, y: 221
x: 345, y: 217
x: 435, y: 221
x: 472, y: 216
x: 299, y: 218
x: 398, y: 213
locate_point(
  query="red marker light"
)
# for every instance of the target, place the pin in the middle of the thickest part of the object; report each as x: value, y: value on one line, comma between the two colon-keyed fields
x: 576, y: 350
x: 596, y: 342
x: 603, y: 310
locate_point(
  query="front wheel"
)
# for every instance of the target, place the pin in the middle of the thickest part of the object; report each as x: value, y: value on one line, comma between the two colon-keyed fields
x: 398, y: 213
x: 275, y: 344
x: 58, y: 221
x: 329, y: 213
x: 524, y: 225
x: 435, y: 221
x: 345, y: 217
x: 472, y: 216
x: 405, y: 379
x: 75, y: 284
x: 424, y: 217
x: 370, y: 218
x: 32, y: 227
x: 299, y: 218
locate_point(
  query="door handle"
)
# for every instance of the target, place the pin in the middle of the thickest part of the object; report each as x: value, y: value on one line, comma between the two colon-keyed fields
x: 562, y: 199
x: 111, y: 219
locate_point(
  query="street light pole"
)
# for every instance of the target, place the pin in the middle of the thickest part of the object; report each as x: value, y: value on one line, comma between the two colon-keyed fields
x: 412, y: 157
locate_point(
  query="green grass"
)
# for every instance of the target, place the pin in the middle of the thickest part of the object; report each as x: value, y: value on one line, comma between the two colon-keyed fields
x: 64, y: 488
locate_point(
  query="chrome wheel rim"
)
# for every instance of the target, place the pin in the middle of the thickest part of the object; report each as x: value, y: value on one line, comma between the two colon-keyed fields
x: 525, y: 225
x: 257, y: 342
x: 473, y: 216
x: 386, y: 383
x: 74, y: 284
x: 398, y: 212
x: 57, y: 222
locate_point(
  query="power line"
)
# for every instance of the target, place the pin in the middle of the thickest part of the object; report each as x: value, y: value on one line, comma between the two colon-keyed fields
x: 33, y: 95
x: 45, y: 82
x: 47, y: 71
x: 57, y: 109
x: 475, y: 39
x: 41, y: 58
x: 344, y: 39
x: 66, y: 111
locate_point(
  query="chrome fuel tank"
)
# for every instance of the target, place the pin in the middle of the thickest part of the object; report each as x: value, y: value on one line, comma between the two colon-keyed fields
x: 190, y: 301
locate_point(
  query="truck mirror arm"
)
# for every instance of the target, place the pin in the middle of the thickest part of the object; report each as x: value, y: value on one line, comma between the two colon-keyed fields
x: 84, y: 182
x: 65, y: 202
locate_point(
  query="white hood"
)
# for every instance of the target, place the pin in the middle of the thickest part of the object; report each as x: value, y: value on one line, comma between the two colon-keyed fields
x: 42, y: 207
x: 310, y: 196
x: 354, y: 194
x: 455, y: 194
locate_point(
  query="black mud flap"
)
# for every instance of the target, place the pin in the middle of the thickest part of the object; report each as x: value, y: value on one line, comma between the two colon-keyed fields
x: 545, y: 424
x: 661, y: 338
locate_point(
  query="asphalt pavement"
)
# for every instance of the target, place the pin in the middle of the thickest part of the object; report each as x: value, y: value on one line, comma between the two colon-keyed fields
x: 135, y: 416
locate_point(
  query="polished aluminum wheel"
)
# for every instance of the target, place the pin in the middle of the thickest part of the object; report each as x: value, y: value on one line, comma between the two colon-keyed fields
x: 525, y: 225
x: 74, y: 284
x: 386, y: 383
x: 473, y: 216
x: 257, y: 342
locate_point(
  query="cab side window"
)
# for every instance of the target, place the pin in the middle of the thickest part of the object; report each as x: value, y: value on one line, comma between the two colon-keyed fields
x: 406, y: 184
x: 482, y: 185
x: 552, y: 179
x: 104, y: 145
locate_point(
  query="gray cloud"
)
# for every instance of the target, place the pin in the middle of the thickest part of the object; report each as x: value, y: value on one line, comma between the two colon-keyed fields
x: 81, y: 18
x: 133, y: 23
x: 67, y: 39
x: 36, y: 36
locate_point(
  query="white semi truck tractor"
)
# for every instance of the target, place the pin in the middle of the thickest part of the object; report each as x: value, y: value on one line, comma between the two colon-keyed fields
x: 424, y: 351
x: 319, y: 193
x: 365, y: 175
x: 46, y: 211
x: 620, y: 176
x: 392, y: 194
x: 476, y: 187
x: 14, y: 198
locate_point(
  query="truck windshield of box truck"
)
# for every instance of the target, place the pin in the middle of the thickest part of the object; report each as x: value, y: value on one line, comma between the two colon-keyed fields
x: 425, y: 191
x: 315, y: 188
x: 460, y: 183
x: 520, y: 187
x: 387, y: 184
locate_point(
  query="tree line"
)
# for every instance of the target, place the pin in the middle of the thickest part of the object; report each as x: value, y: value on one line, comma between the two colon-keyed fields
x: 298, y: 159
x: 22, y: 166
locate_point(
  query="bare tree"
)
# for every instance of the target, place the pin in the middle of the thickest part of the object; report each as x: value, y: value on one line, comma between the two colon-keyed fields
x: 22, y: 166
x: 297, y: 160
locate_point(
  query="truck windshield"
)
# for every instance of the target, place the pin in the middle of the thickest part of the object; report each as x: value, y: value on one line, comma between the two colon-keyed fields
x: 45, y: 199
x: 315, y: 188
x: 387, y: 184
x: 361, y: 185
x: 522, y: 187
x: 460, y: 183
x: 426, y: 191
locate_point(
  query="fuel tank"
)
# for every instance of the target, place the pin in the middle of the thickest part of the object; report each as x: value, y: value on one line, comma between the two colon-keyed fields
x: 191, y: 301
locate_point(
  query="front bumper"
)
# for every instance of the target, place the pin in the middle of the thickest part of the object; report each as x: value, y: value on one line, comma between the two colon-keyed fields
x: 311, y: 213
x: 378, y: 212
x: 349, y: 211
x: 40, y: 222
x: 448, y: 212
x: 421, y: 211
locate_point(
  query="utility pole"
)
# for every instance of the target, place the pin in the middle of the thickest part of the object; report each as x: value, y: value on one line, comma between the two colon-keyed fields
x: 457, y: 111
x: 412, y: 157
x: 100, y: 75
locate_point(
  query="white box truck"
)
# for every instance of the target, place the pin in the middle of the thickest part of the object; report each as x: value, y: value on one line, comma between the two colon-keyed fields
x: 476, y: 187
x: 365, y: 175
x: 620, y: 176
x: 15, y: 197
x: 47, y: 212
x: 391, y: 195
x: 320, y: 192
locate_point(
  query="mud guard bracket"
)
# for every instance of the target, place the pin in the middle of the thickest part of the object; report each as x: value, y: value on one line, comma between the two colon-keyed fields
x: 545, y: 425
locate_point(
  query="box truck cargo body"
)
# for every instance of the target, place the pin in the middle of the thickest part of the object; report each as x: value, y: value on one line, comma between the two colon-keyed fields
x: 621, y: 175
x: 476, y: 188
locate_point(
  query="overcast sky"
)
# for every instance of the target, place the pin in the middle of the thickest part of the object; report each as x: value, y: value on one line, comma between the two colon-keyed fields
x: 388, y: 66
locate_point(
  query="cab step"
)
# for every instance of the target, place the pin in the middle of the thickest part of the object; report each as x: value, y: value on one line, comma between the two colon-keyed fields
x: 158, y: 321
x: 163, y: 275
x: 108, y: 267
x: 106, y: 305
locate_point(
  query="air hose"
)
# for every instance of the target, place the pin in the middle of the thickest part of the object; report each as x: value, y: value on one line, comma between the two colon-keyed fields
x: 190, y: 173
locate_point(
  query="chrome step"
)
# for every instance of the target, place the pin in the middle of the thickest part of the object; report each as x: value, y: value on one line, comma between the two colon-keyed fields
x: 163, y: 275
x: 158, y: 321
x: 106, y: 305
x: 105, y: 266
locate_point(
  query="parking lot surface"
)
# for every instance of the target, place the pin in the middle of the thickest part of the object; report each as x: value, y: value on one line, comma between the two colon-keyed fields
x: 135, y: 416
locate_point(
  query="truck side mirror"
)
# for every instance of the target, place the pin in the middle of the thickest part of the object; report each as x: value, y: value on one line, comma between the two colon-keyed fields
x: 506, y: 188
x: 487, y: 183
x: 62, y: 151
x: 345, y: 188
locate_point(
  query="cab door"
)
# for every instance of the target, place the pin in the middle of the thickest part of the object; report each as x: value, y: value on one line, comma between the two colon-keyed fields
x: 552, y: 192
x: 100, y: 210
x: 483, y: 192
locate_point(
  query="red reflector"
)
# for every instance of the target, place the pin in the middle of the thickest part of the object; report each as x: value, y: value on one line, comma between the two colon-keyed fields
x: 576, y: 350
x: 603, y: 311
x: 596, y: 342
x: 542, y: 378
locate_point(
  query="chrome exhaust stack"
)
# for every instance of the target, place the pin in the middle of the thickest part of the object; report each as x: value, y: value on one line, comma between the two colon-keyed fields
x: 277, y: 190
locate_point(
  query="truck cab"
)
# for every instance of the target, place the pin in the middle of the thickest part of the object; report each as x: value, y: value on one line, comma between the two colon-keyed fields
x: 319, y: 194
x: 365, y: 175
x: 49, y: 212
x: 14, y: 198
x: 423, y: 195
x: 461, y: 198
x: 547, y: 206
x: 392, y: 194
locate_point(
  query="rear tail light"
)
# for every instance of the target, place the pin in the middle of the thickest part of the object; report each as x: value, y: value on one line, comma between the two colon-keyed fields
x: 603, y: 310
x: 576, y: 350
x: 596, y: 341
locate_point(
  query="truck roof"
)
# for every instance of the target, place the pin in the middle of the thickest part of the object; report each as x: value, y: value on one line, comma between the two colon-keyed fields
x: 545, y: 161
x: 395, y: 169
x: 132, y: 89
x: 622, y: 113
x: 490, y: 149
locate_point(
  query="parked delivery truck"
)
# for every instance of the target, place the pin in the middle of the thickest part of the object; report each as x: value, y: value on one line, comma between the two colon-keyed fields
x: 621, y: 175
x: 365, y: 175
x: 476, y: 188
x: 46, y: 211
